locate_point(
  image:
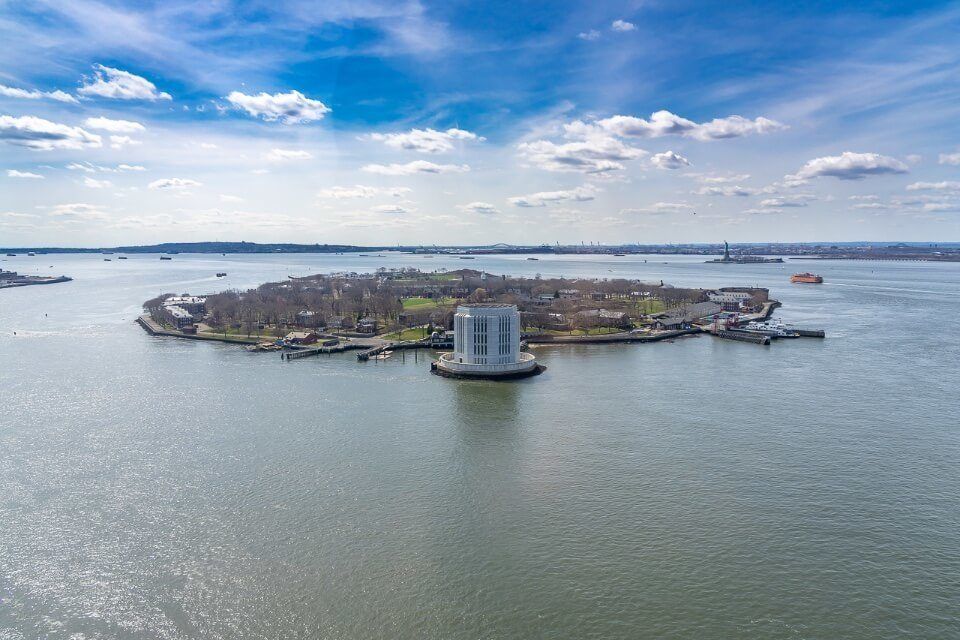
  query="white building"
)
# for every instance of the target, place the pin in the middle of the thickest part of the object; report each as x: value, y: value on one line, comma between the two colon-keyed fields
x: 486, y: 343
x: 728, y: 297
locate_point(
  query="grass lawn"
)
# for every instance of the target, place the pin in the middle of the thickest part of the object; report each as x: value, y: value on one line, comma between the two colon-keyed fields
x: 417, y: 333
x: 595, y: 331
x: 421, y: 304
x: 650, y: 305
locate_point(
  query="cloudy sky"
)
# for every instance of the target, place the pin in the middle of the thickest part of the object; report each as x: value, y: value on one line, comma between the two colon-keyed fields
x: 372, y: 122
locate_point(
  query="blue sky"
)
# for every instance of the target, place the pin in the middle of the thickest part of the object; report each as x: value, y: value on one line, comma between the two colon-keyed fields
x: 467, y: 122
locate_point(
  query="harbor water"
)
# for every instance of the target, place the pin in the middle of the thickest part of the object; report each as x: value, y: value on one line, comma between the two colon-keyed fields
x: 698, y: 488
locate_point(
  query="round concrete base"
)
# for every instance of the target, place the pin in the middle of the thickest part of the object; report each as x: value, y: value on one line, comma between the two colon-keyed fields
x: 437, y: 369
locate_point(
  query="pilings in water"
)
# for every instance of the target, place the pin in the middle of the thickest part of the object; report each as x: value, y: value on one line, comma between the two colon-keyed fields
x: 742, y: 336
x: 363, y: 356
x: 315, y: 351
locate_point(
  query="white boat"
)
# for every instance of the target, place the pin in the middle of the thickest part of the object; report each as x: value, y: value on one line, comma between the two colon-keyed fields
x: 773, y: 328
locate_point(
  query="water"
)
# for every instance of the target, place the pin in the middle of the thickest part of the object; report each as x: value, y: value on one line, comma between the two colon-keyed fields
x: 157, y: 488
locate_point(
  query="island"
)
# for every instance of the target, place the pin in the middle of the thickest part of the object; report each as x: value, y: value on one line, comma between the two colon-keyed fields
x: 741, y: 259
x: 10, y: 279
x: 391, y: 309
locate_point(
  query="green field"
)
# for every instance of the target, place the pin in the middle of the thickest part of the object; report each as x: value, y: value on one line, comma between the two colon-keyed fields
x: 422, y: 304
x: 650, y: 305
x: 417, y: 333
x: 596, y: 331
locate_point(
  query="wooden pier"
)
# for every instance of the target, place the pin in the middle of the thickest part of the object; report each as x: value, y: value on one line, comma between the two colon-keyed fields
x: 372, y: 352
x: 316, y: 351
x: 743, y: 336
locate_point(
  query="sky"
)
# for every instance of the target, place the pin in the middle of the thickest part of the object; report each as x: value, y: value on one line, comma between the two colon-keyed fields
x: 462, y: 123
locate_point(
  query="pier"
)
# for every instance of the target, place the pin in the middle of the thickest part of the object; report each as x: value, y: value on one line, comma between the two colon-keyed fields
x: 316, y: 351
x: 743, y: 336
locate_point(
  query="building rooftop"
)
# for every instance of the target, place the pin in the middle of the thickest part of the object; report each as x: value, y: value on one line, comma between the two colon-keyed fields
x: 487, y: 305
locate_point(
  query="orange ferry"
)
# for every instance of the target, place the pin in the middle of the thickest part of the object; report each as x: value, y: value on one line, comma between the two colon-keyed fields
x: 807, y: 277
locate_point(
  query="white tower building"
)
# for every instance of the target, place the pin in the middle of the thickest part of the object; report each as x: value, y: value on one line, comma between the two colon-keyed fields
x: 486, y: 344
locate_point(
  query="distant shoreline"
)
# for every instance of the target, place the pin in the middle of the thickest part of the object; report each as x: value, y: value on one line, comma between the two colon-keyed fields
x: 916, y: 251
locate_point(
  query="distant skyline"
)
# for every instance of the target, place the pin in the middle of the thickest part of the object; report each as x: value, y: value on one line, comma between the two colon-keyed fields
x: 377, y: 123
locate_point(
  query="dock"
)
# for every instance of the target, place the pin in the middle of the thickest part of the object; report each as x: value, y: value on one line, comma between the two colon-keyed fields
x: 743, y: 336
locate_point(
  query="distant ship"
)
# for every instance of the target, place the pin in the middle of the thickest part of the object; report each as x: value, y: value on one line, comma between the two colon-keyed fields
x: 31, y: 253
x: 221, y: 274
x: 533, y: 258
x: 809, y: 278
x: 122, y: 258
x: 166, y: 258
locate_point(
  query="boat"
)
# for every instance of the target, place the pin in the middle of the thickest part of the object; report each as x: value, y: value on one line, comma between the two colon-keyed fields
x: 772, y: 328
x: 533, y: 258
x: 807, y: 277
x: 166, y: 258
x: 467, y: 258
x: 11, y: 255
x: 619, y: 255
x: 221, y: 274
x: 31, y: 253
x: 122, y: 258
x: 106, y: 259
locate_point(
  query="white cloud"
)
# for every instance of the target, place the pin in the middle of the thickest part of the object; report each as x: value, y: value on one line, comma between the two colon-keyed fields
x: 934, y: 186
x: 284, y: 155
x: 43, y: 135
x: 479, y: 207
x: 669, y: 160
x: 108, y: 82
x: 228, y: 198
x: 622, y: 26
x: 663, y: 123
x: 289, y: 108
x: 763, y: 210
x: 589, y: 36
x: 941, y: 206
x: 361, y: 191
x: 119, y: 142
x: 173, y: 184
x: 411, y: 168
x: 797, y: 200
x: 114, y: 126
x: 593, y: 151
x: 543, y: 198
x: 389, y: 208
x: 726, y: 190
x: 33, y: 94
x: 426, y: 140
x: 870, y: 206
x: 660, y: 208
x: 851, y: 166
x: 950, y: 158
x: 96, y: 184
x: 864, y: 197
x: 714, y: 179
x: 78, y: 211
x: 13, y: 173
x: 89, y: 167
